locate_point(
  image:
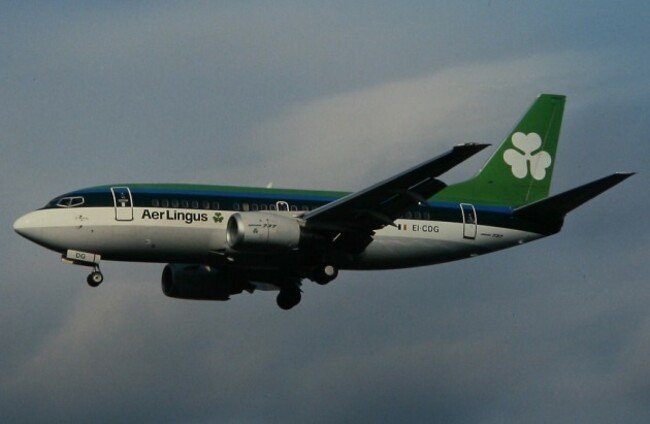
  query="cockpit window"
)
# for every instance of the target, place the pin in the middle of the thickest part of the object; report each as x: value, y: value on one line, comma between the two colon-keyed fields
x: 70, y: 202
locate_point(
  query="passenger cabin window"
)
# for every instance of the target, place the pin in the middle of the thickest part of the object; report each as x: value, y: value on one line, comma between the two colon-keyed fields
x: 70, y: 202
x: 282, y: 206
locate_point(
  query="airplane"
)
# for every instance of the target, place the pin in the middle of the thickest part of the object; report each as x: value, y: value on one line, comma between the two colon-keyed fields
x: 218, y: 241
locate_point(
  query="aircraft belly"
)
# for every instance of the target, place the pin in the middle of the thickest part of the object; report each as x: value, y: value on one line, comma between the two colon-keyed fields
x: 396, y: 248
x: 163, y: 244
x: 398, y: 252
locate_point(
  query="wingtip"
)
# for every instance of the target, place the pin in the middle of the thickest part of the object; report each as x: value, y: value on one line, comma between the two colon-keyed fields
x: 468, y: 149
x: 622, y: 176
x: 473, y: 146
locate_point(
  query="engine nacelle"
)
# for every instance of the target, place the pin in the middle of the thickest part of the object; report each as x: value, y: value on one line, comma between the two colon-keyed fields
x: 200, y: 282
x: 262, y: 231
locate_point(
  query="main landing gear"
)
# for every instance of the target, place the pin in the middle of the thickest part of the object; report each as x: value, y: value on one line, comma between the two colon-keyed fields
x: 290, y: 294
x: 289, y: 297
x: 325, y: 274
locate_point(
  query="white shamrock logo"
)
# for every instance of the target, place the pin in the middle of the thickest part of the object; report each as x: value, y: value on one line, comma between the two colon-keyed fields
x: 519, y: 159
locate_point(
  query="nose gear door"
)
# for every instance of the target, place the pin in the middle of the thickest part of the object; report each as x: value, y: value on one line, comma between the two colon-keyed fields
x: 123, y: 203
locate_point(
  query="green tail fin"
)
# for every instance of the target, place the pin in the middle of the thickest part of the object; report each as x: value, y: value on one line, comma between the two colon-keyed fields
x: 521, y: 169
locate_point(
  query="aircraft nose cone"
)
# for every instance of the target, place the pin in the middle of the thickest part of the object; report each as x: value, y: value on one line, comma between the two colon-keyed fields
x: 27, y: 227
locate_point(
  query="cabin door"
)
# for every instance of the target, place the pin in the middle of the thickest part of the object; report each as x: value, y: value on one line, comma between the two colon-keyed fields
x: 469, y: 220
x: 123, y: 203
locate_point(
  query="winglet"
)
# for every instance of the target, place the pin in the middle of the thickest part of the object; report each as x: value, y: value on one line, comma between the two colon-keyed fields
x: 559, y: 205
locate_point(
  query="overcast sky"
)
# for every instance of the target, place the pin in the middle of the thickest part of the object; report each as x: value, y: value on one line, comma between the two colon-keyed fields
x: 335, y: 96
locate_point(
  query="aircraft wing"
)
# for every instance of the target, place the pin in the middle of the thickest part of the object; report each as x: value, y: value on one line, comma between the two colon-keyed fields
x: 381, y: 204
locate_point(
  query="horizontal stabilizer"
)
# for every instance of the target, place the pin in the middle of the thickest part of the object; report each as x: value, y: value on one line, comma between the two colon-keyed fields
x: 563, y: 203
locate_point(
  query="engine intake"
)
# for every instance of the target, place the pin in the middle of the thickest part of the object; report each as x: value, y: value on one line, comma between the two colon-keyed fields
x: 262, y: 231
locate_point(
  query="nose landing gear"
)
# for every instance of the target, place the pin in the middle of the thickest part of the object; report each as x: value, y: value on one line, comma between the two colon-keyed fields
x: 76, y: 257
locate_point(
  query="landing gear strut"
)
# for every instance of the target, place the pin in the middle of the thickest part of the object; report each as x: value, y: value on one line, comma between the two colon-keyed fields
x: 288, y: 297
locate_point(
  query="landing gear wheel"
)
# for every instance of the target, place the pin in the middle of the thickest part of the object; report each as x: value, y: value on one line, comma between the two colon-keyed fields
x: 325, y: 274
x: 95, y: 278
x: 288, y: 298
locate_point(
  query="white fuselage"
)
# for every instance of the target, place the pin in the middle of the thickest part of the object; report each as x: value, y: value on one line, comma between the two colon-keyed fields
x: 193, y: 236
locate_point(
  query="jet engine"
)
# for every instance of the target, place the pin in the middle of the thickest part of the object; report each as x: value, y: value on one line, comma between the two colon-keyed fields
x: 257, y: 231
x: 199, y: 282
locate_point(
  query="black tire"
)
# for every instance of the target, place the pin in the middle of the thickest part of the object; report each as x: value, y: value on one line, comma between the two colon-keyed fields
x: 325, y: 274
x: 288, y: 298
x: 95, y: 278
